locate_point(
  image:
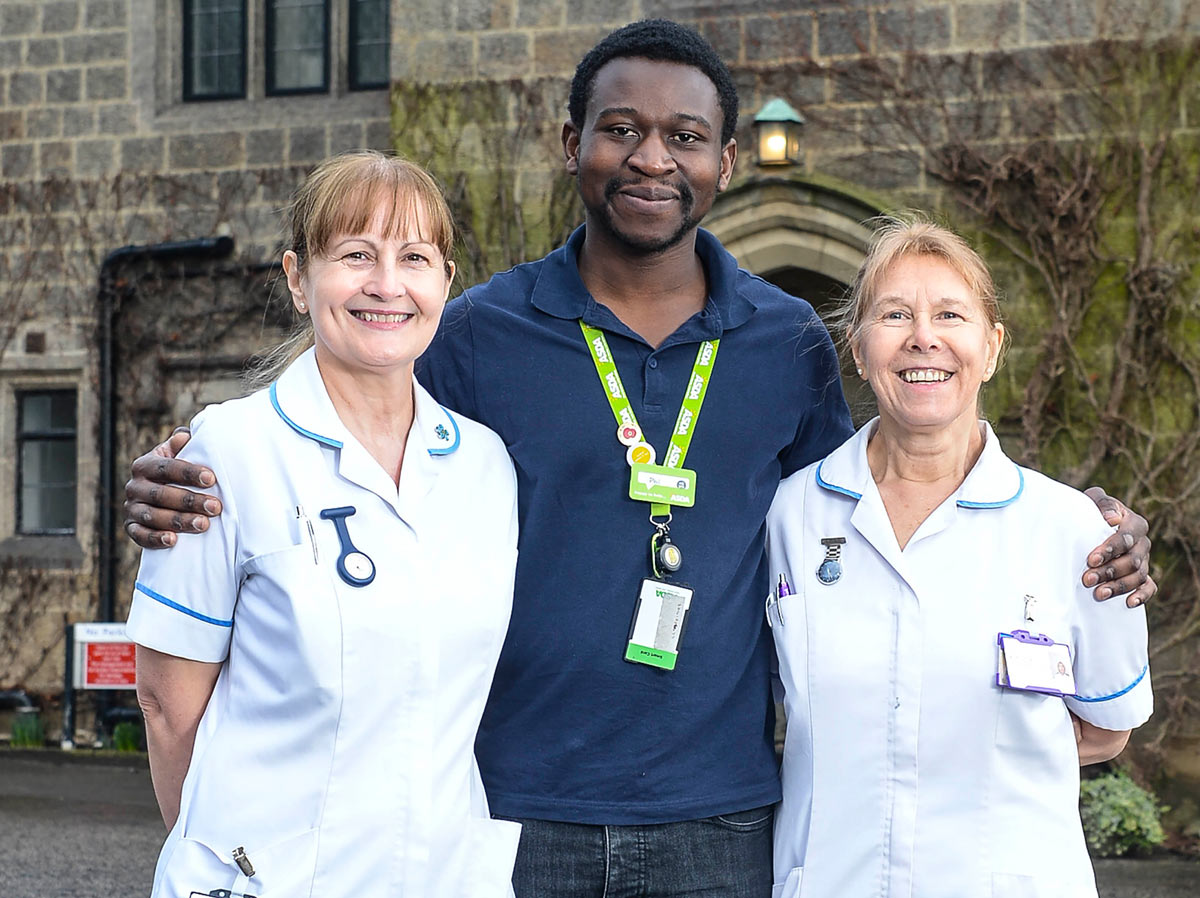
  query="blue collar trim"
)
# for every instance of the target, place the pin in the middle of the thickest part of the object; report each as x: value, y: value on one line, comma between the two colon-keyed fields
x: 821, y: 481
x: 963, y: 503
x: 457, y: 436
x: 327, y: 441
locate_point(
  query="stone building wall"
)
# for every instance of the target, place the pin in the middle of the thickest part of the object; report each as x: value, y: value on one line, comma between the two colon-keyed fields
x: 98, y: 150
x: 804, y: 52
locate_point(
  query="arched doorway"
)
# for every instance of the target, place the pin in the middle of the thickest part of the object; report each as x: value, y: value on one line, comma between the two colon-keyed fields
x: 806, y: 239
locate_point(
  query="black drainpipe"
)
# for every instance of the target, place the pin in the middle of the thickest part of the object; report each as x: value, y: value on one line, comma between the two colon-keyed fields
x: 204, y: 247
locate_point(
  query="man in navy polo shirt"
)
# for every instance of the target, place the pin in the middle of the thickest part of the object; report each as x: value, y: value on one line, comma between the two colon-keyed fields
x: 637, y: 770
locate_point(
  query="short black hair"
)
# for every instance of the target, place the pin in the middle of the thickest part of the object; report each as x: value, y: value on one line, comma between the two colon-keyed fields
x: 660, y: 40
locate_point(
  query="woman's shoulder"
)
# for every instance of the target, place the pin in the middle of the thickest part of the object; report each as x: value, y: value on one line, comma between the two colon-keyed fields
x: 231, y: 426
x: 1069, y: 509
x: 790, y: 494
x: 470, y: 443
x: 221, y: 418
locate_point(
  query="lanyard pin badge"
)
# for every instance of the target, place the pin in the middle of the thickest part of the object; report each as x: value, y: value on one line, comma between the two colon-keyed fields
x: 830, y: 571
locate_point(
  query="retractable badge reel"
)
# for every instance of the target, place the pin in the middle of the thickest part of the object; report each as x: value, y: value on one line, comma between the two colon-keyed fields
x: 664, y: 554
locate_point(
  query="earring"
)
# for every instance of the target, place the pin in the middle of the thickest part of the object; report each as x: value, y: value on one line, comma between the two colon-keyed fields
x: 860, y: 372
x: 303, y: 307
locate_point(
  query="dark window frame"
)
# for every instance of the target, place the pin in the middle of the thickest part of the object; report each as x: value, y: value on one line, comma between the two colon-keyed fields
x: 269, y: 55
x: 189, y: 91
x: 352, y: 49
x: 57, y: 435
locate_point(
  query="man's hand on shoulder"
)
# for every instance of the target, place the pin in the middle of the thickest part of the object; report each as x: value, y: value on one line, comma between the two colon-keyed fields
x: 155, y: 508
x: 1121, y: 564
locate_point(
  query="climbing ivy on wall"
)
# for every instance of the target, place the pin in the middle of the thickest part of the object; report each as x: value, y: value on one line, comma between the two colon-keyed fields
x: 495, y: 147
x: 1076, y: 171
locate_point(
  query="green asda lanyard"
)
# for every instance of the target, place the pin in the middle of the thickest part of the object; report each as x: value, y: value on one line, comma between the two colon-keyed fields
x: 670, y: 483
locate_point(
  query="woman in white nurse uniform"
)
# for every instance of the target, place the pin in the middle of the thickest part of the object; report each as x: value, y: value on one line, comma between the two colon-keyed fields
x: 934, y: 743
x: 314, y: 666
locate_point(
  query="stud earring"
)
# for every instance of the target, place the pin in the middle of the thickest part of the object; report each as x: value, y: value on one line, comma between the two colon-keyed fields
x: 303, y: 307
x: 860, y: 372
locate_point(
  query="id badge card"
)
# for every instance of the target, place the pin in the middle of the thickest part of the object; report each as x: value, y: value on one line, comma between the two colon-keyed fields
x: 1034, y: 663
x: 658, y: 623
x: 666, y: 486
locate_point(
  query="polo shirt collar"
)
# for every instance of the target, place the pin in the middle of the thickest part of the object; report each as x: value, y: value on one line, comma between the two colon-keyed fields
x: 994, y: 482
x: 299, y: 397
x: 560, y: 291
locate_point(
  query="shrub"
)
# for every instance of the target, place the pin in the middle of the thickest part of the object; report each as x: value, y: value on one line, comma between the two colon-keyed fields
x: 27, y: 731
x: 1119, y: 816
x: 127, y: 736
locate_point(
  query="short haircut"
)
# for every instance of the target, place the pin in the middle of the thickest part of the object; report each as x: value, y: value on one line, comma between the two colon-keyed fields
x: 342, y: 193
x: 913, y: 234
x: 659, y: 40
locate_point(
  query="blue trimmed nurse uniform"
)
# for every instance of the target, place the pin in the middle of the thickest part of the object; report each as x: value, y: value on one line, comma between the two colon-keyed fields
x: 337, y: 748
x: 907, y: 771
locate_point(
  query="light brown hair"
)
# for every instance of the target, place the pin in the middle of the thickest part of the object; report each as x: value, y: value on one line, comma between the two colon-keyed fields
x: 340, y: 196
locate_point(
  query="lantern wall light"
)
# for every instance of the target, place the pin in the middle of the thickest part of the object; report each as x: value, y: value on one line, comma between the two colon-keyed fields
x: 777, y: 133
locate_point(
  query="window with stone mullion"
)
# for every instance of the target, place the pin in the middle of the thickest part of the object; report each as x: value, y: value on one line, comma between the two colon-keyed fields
x: 370, y: 38
x: 214, y: 49
x: 297, y: 58
x: 46, y: 462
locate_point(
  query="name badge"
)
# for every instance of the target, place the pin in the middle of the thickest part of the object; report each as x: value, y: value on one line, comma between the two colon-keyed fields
x: 658, y: 623
x: 1034, y: 663
x: 666, y: 486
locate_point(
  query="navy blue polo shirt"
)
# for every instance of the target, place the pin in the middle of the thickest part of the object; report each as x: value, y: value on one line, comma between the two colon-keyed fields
x: 572, y: 732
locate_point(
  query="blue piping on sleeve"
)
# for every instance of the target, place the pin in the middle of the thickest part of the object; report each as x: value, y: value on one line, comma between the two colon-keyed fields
x: 328, y: 441
x: 457, y: 436
x: 1105, y: 698
x: 140, y: 587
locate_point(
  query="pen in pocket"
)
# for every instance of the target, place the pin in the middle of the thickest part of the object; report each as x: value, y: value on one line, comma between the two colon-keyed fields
x: 782, y: 590
x: 312, y: 536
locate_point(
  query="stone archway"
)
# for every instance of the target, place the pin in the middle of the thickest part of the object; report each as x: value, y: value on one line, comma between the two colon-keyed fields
x: 807, y: 239
x: 779, y: 229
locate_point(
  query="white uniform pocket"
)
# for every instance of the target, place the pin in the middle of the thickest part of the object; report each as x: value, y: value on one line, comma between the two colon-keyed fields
x: 282, y: 869
x: 1026, y: 720
x: 790, y: 887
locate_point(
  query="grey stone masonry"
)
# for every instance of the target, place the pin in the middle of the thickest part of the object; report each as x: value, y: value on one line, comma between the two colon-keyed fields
x: 92, y: 91
x: 18, y: 18
x: 206, y: 151
x: 60, y: 16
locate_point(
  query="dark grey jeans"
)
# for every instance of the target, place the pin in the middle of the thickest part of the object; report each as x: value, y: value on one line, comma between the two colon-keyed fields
x: 722, y: 857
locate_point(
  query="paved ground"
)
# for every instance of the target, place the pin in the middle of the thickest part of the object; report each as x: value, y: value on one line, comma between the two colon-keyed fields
x: 78, y: 827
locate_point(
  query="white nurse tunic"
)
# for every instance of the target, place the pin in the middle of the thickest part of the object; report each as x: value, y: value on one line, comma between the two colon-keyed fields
x: 907, y: 772
x: 337, y: 748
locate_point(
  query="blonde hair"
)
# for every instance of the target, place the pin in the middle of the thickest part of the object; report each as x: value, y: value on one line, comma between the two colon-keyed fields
x: 340, y: 196
x: 913, y: 234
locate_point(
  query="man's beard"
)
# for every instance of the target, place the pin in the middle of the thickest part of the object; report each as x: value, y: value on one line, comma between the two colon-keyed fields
x: 688, y: 221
